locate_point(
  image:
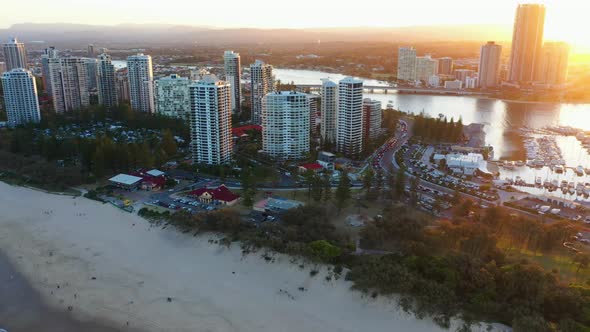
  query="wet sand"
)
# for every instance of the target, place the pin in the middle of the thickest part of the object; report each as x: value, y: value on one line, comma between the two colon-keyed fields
x: 23, y: 310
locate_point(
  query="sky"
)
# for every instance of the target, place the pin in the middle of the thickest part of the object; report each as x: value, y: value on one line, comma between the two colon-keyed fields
x: 566, y: 19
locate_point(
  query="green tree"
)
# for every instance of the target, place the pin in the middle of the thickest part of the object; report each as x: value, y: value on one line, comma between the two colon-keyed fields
x: 368, y: 177
x: 414, y: 191
x: 400, y: 184
x: 98, y: 163
x: 342, y: 191
x: 169, y: 143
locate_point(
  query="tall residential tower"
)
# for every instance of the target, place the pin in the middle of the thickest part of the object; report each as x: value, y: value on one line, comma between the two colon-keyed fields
x: 211, y: 139
x: 141, y: 89
x: 349, y: 130
x: 69, y: 84
x: 172, y: 97
x: 20, y: 97
x: 329, y: 111
x: 262, y: 82
x: 233, y: 75
x: 285, y: 125
x: 527, y: 41
x: 107, y: 87
x: 489, y: 65
x: 406, y: 64
x: 15, y: 54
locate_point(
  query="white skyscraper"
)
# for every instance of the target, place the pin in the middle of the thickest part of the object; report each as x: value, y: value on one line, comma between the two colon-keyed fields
x: 20, y: 97
x: 406, y: 64
x: 425, y: 67
x: 527, y: 41
x: 15, y: 54
x: 141, y: 89
x: 554, y: 63
x: 68, y: 78
x: 233, y: 75
x: 107, y: 86
x: 371, y: 118
x: 489, y: 65
x: 349, y: 129
x: 48, y: 53
x: 262, y: 83
x: 173, y: 97
x: 285, y: 125
x: 329, y: 110
x: 211, y: 139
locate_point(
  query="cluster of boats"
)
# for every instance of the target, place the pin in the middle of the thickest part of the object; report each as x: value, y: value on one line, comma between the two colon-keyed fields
x: 580, y: 189
x: 543, y: 151
x: 585, y: 140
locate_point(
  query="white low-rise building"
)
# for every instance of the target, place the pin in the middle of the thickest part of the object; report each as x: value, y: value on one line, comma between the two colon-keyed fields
x: 464, y: 163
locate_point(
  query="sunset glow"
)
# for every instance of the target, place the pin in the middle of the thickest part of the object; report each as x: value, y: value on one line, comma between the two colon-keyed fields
x: 564, y: 21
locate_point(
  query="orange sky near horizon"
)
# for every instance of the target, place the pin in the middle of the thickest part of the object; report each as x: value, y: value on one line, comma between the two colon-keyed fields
x: 565, y: 18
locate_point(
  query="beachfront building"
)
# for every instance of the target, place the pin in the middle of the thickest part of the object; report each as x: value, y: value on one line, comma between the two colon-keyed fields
x: 261, y: 83
x: 371, y: 118
x: 406, y: 64
x: 285, y: 125
x: 329, y: 109
x: 489, y: 65
x: 125, y: 181
x: 15, y: 54
x: 233, y: 75
x: 173, y: 96
x: 219, y: 195
x: 141, y: 89
x: 527, y: 41
x: 107, y: 88
x: 349, y: 128
x: 554, y: 63
x: 48, y: 53
x: 445, y: 66
x: 20, y: 97
x: 210, y: 121
x: 426, y: 66
x: 69, y: 84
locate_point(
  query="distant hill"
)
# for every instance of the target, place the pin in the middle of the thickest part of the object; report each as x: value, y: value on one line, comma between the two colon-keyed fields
x: 146, y: 35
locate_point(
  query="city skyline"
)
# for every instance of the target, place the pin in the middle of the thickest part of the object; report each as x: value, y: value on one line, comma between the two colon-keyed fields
x: 561, y: 23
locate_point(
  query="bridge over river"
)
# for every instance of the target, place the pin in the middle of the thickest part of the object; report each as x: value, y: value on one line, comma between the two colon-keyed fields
x: 394, y: 89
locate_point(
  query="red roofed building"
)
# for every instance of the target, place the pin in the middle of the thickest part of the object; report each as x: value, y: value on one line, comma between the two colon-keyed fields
x: 220, y: 194
x: 240, y: 132
x: 310, y: 167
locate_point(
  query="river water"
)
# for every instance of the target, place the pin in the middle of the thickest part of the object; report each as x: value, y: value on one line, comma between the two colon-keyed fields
x: 502, y: 119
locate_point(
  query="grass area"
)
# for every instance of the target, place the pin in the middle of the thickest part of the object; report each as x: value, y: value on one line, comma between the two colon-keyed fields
x: 560, y: 262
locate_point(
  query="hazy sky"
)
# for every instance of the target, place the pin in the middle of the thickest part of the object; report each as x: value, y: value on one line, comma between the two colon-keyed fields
x: 566, y: 19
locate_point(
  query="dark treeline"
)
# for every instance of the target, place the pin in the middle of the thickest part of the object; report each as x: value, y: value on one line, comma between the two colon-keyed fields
x: 438, y: 130
x: 458, y: 267
x: 454, y: 269
x: 88, y: 158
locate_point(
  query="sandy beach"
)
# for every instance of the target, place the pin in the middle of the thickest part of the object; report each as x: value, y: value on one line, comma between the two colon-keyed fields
x: 109, y: 265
